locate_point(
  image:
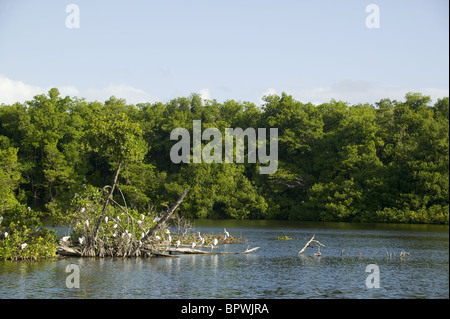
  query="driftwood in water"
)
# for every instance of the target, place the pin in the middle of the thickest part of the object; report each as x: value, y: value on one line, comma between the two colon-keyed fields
x: 157, y: 253
x: 193, y: 251
x: 73, y: 251
x: 68, y: 251
x: 308, y: 244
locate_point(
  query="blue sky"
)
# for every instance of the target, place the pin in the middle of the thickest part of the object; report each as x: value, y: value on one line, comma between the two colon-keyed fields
x: 147, y: 51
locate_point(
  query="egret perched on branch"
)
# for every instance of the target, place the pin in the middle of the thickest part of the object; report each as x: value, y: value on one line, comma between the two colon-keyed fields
x: 215, y: 242
x: 193, y: 244
x: 178, y: 243
x: 227, y: 234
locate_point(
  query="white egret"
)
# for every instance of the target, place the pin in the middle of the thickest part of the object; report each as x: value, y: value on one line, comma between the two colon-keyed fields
x: 28, y: 208
x: 139, y: 222
x: 65, y: 239
x: 157, y: 237
x: 178, y: 243
x: 81, y: 240
x: 82, y: 210
x: 106, y: 219
x: 193, y: 244
x: 126, y: 233
x: 1, y: 219
x: 202, y: 240
x: 87, y: 222
x: 212, y: 246
x: 6, y: 234
x: 115, y: 226
x: 215, y: 242
x: 227, y: 234
x: 24, y: 245
x: 170, y: 239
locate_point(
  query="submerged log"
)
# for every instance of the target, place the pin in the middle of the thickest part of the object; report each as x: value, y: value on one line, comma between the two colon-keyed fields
x: 72, y: 251
x: 193, y: 251
x: 157, y: 253
x: 68, y: 251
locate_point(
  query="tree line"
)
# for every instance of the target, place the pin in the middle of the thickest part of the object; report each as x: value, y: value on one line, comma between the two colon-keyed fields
x: 387, y: 162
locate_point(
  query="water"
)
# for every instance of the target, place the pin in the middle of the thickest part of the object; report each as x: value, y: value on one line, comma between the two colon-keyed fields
x: 275, y: 271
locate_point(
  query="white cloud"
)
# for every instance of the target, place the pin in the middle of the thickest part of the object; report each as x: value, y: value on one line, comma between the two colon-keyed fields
x: 205, y: 94
x: 12, y: 91
x: 16, y: 91
x: 355, y: 92
x: 66, y: 90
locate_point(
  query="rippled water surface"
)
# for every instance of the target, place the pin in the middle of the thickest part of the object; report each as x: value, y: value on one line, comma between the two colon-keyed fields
x: 274, y: 271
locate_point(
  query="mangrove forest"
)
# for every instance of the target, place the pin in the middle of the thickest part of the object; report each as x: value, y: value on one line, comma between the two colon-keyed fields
x: 81, y: 162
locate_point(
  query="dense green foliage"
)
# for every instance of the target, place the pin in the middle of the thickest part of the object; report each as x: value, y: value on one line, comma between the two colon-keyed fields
x: 387, y: 162
x: 22, y: 236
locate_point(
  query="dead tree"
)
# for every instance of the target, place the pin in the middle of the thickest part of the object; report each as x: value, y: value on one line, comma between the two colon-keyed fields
x: 163, y: 219
x: 308, y: 244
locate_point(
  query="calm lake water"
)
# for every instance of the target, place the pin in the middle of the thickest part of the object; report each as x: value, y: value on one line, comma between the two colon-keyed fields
x: 275, y: 271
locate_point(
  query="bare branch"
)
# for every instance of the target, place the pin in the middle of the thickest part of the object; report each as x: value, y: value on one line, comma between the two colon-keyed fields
x: 308, y: 244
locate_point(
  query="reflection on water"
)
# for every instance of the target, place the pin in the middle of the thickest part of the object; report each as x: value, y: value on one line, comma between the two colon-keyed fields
x: 273, y: 271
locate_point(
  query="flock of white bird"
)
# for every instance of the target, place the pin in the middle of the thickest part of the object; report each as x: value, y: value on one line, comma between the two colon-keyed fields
x: 81, y: 240
x: 6, y: 234
x: 212, y: 245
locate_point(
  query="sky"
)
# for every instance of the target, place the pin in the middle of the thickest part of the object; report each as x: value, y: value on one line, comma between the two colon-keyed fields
x: 150, y: 51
